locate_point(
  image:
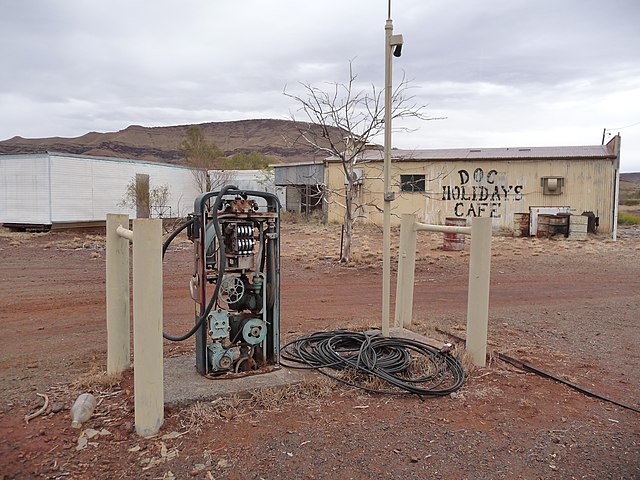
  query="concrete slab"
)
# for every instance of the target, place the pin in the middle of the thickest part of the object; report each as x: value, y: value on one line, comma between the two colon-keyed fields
x: 183, y: 384
x: 404, y: 333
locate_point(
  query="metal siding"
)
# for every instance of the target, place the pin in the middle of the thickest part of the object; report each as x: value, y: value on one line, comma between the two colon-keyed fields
x: 299, y: 175
x: 24, y: 190
x: 182, y: 186
x: 85, y: 189
x: 108, y: 187
x: 71, y: 190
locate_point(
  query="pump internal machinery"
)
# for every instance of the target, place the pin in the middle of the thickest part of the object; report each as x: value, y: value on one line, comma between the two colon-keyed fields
x: 236, y: 280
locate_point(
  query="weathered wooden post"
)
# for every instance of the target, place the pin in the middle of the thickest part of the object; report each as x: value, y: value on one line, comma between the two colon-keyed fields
x: 406, y: 271
x: 148, y: 375
x: 478, y: 297
x: 147, y: 326
x: 117, y: 293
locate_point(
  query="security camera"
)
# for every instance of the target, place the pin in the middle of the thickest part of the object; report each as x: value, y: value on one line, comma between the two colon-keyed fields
x: 396, y: 42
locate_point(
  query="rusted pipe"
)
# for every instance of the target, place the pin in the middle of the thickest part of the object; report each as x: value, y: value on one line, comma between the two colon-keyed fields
x: 442, y: 228
x: 125, y: 233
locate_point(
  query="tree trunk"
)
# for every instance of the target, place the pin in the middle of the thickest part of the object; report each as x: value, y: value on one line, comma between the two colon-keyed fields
x: 348, y: 223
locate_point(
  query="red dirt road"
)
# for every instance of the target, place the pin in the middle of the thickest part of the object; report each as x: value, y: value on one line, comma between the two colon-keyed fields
x: 569, y: 307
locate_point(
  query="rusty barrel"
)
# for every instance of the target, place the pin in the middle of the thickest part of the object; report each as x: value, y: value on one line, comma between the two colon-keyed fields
x: 520, y: 224
x: 543, y: 226
x: 559, y: 225
x: 454, y: 241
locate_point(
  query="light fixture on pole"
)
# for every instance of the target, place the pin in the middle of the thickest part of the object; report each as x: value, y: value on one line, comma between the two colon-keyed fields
x: 392, y: 46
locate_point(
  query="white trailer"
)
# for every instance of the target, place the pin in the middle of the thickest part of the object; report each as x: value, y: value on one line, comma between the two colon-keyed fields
x: 54, y: 188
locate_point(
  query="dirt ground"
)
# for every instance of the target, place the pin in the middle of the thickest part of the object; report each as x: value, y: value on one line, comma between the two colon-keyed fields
x: 571, y: 308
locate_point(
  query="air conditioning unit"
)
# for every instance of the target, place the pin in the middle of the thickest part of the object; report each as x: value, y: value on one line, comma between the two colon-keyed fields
x: 358, y: 176
x: 552, y: 185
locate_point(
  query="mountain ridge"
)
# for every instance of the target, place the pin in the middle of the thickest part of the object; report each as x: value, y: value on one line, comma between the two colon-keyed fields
x: 277, y: 138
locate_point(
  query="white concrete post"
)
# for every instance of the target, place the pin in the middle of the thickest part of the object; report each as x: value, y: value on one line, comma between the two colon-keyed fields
x: 406, y: 271
x: 147, y: 326
x: 478, y: 299
x: 117, y: 291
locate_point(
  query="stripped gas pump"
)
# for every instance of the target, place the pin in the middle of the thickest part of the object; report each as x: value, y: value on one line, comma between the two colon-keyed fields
x: 236, y: 281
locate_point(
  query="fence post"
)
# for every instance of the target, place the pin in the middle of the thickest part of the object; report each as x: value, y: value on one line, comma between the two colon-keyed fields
x: 406, y: 271
x: 147, y: 326
x: 478, y: 296
x: 117, y: 293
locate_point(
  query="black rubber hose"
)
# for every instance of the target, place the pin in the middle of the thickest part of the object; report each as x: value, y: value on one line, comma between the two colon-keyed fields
x: 174, y: 234
x: 371, y: 354
x: 221, y: 269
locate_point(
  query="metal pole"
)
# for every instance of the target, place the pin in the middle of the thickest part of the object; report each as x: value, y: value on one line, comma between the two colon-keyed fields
x: 478, y: 296
x: 117, y: 296
x: 147, y: 326
x: 388, y: 195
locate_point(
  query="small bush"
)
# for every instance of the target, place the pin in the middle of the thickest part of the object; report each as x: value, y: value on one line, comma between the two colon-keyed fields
x: 625, y: 218
x: 631, y: 202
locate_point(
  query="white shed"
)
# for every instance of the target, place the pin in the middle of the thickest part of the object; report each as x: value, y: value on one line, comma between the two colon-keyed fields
x: 257, y: 180
x: 55, y: 188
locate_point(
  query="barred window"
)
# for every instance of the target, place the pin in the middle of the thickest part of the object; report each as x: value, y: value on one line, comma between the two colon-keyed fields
x: 412, y: 183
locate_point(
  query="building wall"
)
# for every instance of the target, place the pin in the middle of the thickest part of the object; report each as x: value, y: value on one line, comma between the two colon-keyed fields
x: 24, y: 189
x: 486, y: 188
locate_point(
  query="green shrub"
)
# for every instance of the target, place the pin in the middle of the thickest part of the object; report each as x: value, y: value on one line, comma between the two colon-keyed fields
x: 626, y: 218
x: 631, y: 201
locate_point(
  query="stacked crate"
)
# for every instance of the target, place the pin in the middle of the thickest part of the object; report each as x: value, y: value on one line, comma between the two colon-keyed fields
x: 578, y: 227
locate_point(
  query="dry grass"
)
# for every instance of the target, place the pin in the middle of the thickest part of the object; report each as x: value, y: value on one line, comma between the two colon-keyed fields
x: 464, y: 357
x: 196, y: 416
x: 266, y: 399
x: 19, y: 238
x: 88, y: 242
x: 272, y: 398
x: 97, y: 380
x: 356, y: 377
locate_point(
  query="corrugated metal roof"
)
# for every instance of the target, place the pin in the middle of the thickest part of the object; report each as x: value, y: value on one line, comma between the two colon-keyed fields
x: 517, y: 153
x: 93, y: 157
x: 296, y: 164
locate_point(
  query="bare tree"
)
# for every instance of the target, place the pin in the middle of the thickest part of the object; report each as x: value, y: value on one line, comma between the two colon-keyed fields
x: 145, y: 199
x: 359, y: 113
x: 219, y: 178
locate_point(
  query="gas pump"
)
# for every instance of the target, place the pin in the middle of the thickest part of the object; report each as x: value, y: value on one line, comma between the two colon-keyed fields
x: 236, y: 281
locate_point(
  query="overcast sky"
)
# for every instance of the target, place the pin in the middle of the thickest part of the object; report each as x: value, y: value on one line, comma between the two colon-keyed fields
x: 505, y: 73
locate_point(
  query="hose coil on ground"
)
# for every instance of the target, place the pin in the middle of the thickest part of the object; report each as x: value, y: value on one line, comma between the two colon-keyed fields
x: 404, y: 365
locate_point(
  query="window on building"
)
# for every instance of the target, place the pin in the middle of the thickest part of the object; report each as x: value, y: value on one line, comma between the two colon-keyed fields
x: 412, y: 183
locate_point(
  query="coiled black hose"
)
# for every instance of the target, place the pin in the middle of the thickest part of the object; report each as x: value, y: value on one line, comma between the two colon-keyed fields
x: 407, y: 365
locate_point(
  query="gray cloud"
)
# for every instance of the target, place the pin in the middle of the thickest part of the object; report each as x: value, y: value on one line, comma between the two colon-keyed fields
x: 504, y: 72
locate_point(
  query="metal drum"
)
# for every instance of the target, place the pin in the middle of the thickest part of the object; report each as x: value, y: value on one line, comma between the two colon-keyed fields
x: 521, y: 224
x: 454, y: 241
x: 559, y: 225
x: 543, y: 226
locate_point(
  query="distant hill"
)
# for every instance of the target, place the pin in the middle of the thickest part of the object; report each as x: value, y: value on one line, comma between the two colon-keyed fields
x: 629, y: 185
x: 278, y: 138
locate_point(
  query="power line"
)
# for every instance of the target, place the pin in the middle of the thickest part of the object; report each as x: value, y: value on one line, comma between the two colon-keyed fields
x: 622, y: 128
